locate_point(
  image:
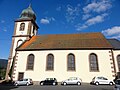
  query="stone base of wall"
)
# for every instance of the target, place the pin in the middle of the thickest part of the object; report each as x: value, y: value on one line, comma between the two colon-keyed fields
x: 36, y: 82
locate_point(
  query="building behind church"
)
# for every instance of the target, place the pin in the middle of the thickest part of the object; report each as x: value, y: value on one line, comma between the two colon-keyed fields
x: 61, y: 56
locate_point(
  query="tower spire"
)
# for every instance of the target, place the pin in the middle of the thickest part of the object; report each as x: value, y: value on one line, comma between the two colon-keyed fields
x: 28, y: 13
x: 30, y: 5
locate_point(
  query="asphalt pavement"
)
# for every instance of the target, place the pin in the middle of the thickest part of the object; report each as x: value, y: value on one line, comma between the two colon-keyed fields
x: 58, y: 87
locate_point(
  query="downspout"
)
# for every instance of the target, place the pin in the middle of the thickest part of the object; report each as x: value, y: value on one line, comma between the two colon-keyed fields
x: 113, y: 62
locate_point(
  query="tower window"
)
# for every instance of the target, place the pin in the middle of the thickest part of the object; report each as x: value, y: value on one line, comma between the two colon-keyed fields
x: 19, y: 42
x: 22, y: 26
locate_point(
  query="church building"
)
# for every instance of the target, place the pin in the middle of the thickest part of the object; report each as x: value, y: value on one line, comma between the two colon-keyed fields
x: 60, y: 56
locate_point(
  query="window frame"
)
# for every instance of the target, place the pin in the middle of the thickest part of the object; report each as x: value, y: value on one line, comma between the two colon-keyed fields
x: 48, y: 66
x: 29, y: 62
x: 22, y: 27
x: 118, y: 63
x: 95, y: 67
x: 71, y: 65
x: 19, y: 42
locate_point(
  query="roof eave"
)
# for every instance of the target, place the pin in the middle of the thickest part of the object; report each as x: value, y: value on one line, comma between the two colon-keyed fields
x: 64, y: 49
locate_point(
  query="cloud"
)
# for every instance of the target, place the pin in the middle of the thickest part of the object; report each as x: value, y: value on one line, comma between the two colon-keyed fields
x: 100, y: 6
x: 44, y: 21
x: 51, y: 19
x: 94, y: 13
x: 91, y: 21
x: 72, y: 13
x: 2, y: 21
x: 59, y: 8
x: 5, y: 30
x: 113, y: 32
x: 80, y: 27
x: 95, y: 20
x: 47, y: 20
x: 86, y: 16
x: 96, y: 7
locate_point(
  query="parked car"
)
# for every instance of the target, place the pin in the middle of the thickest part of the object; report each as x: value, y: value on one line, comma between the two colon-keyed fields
x: 26, y: 81
x: 117, y: 84
x: 72, y: 80
x: 101, y: 80
x: 49, y: 81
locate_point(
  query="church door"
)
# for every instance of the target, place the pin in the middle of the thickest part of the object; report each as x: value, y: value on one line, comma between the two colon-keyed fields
x: 20, y: 75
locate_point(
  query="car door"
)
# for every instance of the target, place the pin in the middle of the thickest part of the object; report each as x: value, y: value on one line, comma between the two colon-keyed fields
x: 75, y: 80
x: 69, y: 81
x: 51, y: 81
x: 100, y: 80
x: 46, y: 82
x: 105, y: 80
x: 20, y: 82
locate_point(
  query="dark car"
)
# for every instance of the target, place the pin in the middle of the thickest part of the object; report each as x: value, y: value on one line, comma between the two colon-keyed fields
x: 117, y: 84
x: 49, y: 81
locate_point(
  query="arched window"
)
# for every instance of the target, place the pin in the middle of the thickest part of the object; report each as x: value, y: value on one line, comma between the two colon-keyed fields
x: 19, y: 42
x: 93, y: 62
x: 22, y: 26
x: 118, y: 61
x: 50, y: 62
x: 30, y: 62
x: 71, y: 62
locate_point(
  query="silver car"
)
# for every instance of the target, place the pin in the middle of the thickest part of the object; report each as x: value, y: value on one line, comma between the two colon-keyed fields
x: 72, y: 80
x: 26, y: 81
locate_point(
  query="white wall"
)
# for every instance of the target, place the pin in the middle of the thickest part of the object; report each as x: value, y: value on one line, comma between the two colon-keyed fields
x: 60, y: 65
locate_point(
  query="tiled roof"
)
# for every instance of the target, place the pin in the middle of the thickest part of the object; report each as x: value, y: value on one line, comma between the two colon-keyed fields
x: 66, y: 41
x: 115, y: 43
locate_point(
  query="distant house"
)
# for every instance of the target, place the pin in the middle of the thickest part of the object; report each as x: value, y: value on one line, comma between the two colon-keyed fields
x: 83, y: 55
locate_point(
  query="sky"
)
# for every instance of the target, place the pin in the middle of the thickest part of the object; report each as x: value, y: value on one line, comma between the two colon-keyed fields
x: 61, y: 17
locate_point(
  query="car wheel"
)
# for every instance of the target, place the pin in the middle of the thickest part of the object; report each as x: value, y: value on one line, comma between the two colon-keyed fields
x: 97, y: 83
x: 64, y: 83
x: 41, y: 84
x: 78, y: 83
x: 54, y: 83
x: 27, y: 84
x: 16, y: 84
x: 111, y: 83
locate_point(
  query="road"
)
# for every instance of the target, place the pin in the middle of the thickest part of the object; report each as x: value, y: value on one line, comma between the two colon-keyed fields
x: 59, y: 87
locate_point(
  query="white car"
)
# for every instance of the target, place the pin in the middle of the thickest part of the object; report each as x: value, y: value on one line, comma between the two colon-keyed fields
x: 72, y: 80
x: 26, y: 81
x: 101, y: 80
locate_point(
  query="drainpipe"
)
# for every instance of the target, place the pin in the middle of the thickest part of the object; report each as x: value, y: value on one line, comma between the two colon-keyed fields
x: 113, y: 62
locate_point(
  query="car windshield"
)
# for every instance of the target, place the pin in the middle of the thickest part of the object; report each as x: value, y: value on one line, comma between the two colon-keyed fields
x: 25, y: 80
x: 50, y: 79
x: 21, y: 80
x: 47, y: 79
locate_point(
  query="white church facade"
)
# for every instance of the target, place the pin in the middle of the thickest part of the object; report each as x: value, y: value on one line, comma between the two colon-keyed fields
x: 60, y: 56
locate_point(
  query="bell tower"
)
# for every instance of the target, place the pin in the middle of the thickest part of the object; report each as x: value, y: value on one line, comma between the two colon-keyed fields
x: 25, y: 27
